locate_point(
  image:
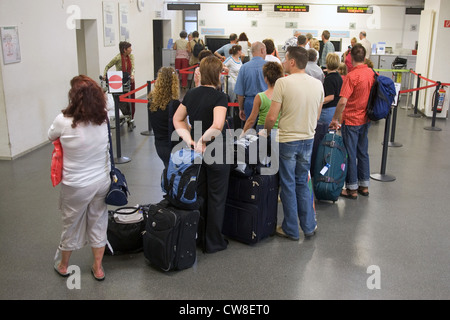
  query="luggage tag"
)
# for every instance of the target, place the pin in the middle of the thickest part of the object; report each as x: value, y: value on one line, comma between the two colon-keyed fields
x: 324, y: 169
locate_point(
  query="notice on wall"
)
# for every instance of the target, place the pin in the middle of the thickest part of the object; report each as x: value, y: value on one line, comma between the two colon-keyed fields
x: 109, y: 34
x: 10, y: 44
x: 123, y: 22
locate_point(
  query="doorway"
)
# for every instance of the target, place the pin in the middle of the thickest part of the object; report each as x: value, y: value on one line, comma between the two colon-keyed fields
x: 87, y: 48
x: 161, y: 35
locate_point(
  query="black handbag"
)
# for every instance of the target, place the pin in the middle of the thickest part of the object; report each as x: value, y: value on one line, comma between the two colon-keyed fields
x: 125, y: 228
x: 118, y: 190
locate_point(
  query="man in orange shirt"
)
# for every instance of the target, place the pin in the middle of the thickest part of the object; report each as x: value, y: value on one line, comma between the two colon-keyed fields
x: 351, y: 112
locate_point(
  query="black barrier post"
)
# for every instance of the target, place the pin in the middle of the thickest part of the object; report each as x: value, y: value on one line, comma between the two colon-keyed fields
x: 436, y: 102
x: 392, y: 142
x: 149, y: 132
x: 415, y: 114
x: 382, y: 176
x: 119, y: 159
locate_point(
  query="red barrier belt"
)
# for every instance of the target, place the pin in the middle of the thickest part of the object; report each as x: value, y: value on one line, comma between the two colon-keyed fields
x: 417, y: 89
x: 123, y: 98
x: 233, y: 104
x: 185, y: 71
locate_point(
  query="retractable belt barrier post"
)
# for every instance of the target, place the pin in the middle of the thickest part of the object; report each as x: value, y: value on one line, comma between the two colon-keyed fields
x: 435, y: 105
x: 123, y: 98
x: 392, y: 142
x: 415, y: 114
x: 382, y: 176
x: 119, y: 159
x: 149, y: 132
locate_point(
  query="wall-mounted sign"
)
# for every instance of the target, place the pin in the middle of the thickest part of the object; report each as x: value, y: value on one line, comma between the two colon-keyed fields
x: 183, y: 6
x: 354, y: 9
x: 291, y: 8
x: 244, y: 7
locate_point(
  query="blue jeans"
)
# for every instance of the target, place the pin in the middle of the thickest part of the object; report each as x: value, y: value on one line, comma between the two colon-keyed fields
x: 296, y: 196
x: 357, y: 145
x: 327, y: 115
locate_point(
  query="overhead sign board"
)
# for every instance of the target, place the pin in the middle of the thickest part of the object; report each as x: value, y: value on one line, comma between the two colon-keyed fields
x: 244, y: 7
x: 291, y: 8
x: 354, y: 9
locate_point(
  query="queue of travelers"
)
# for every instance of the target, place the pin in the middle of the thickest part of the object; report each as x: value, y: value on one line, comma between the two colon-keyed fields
x: 271, y: 94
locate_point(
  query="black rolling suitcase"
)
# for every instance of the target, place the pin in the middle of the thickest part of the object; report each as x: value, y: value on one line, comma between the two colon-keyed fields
x: 170, y: 236
x: 251, y: 207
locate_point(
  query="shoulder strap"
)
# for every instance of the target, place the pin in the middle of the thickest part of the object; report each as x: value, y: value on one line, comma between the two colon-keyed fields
x: 110, y: 145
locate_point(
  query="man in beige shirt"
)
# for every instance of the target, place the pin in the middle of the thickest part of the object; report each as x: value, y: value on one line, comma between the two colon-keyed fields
x: 365, y: 43
x: 298, y: 98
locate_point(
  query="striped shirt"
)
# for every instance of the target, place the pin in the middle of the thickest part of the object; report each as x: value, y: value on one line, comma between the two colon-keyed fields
x: 356, y: 88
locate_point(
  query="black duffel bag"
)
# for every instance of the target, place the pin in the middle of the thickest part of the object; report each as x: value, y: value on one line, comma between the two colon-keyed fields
x: 125, y: 228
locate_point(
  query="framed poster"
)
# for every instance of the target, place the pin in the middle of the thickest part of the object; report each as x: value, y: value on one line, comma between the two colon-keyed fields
x: 123, y: 22
x: 109, y: 35
x: 10, y: 44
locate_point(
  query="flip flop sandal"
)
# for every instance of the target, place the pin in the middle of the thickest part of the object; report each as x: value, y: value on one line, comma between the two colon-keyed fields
x: 56, y: 267
x: 98, y: 278
x: 363, y: 193
x: 349, y: 195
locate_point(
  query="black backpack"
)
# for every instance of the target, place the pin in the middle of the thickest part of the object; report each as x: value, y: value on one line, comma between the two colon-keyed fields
x: 199, y: 46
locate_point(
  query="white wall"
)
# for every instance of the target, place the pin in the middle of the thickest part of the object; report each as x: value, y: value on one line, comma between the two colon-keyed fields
x: 35, y: 90
x: 386, y: 24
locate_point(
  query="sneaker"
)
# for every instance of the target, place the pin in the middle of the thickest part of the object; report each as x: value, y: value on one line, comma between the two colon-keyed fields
x: 280, y: 232
x: 309, y: 235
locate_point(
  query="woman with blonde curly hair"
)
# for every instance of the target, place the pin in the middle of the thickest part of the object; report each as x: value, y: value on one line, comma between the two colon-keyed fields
x: 164, y: 101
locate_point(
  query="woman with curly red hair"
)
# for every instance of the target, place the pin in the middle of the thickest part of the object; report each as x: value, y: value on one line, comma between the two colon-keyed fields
x: 83, y: 132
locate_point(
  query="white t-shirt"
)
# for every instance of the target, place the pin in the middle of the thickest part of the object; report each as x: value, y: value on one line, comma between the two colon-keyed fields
x: 300, y: 96
x: 270, y: 57
x: 85, y: 151
x: 233, y: 67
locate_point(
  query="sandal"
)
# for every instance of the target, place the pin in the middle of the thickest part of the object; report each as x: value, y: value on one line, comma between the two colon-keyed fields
x: 350, y: 194
x: 56, y: 267
x: 364, y: 191
x: 101, y: 278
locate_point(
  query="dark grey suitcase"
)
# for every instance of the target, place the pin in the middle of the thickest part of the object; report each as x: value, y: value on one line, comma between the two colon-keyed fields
x: 251, y: 208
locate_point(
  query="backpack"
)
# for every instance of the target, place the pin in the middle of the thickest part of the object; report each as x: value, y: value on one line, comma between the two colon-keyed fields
x: 179, y: 180
x: 199, y: 46
x: 382, y: 95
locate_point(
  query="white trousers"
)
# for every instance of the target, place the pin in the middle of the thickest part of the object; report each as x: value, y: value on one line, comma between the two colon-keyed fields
x: 84, y: 215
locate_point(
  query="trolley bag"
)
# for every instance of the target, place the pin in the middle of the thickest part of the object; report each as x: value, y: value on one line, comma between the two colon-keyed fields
x: 330, y: 168
x: 251, y: 208
x: 170, y: 237
x: 179, y: 179
x: 125, y: 228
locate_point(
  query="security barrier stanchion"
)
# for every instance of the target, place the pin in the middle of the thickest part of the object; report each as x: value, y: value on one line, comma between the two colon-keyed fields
x: 415, y: 114
x: 382, y: 176
x: 435, y: 105
x: 392, y: 142
x: 119, y: 159
x: 149, y: 132
x: 408, y: 94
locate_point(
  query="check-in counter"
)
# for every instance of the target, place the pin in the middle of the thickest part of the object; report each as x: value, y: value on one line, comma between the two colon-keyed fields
x: 385, y: 62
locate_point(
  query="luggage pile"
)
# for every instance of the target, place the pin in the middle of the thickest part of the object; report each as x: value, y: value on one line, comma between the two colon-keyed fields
x: 167, y: 231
